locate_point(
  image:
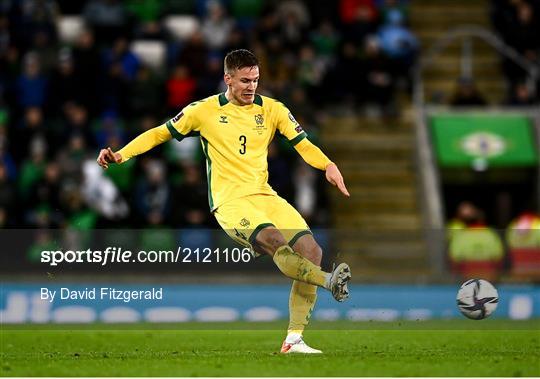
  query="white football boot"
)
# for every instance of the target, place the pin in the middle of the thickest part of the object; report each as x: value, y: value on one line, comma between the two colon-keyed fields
x: 298, y: 347
x: 338, y: 282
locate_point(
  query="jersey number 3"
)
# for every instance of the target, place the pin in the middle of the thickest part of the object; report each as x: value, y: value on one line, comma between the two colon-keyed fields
x: 243, y: 141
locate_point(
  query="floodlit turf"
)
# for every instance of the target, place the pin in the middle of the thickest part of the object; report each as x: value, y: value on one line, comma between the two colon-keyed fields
x: 435, y: 348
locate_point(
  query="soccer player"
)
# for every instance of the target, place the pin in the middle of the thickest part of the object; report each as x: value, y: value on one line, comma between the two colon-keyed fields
x: 235, y: 129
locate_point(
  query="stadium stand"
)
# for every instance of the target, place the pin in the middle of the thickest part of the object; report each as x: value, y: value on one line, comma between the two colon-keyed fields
x: 75, y: 78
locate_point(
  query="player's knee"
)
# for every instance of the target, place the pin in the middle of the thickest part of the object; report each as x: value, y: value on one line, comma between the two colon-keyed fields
x: 314, y: 254
x: 270, y: 239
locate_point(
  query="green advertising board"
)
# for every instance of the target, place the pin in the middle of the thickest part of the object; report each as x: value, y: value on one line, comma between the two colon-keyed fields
x: 482, y: 141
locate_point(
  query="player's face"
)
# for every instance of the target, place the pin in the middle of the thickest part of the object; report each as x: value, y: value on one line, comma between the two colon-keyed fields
x: 242, y: 84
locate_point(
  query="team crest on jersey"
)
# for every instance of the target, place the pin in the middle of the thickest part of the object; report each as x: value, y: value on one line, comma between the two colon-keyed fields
x: 245, y: 222
x: 259, y: 119
x: 176, y: 118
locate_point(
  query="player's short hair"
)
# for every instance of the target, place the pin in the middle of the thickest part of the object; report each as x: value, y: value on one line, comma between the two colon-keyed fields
x: 238, y: 59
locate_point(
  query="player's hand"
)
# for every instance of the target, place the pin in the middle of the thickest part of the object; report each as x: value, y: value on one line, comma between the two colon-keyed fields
x: 107, y: 156
x: 334, y: 176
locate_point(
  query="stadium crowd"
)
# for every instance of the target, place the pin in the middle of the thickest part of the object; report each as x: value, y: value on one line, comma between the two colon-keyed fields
x: 63, y: 99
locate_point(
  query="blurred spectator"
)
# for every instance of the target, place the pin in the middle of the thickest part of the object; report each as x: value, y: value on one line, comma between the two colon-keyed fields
x: 87, y: 63
x: 518, y: 23
x: 153, y: 195
x: 466, y: 214
x: 524, y: 232
x: 144, y: 93
x: 299, y: 103
x: 523, y: 237
x: 279, y: 173
x: 193, y: 54
x: 236, y: 40
x: 346, y: 88
x: 5, y: 157
x: 216, y: 26
x: 268, y: 28
x: 114, y: 90
x: 75, y: 122
x: 71, y: 159
x: 474, y: 248
x: 359, y: 19
x: 79, y: 217
x: 398, y: 43
x: 121, y: 55
x: 353, y: 10
x: 523, y: 35
x: 186, y: 152
x: 325, y: 40
x: 107, y: 18
x: 181, y: 88
x: 294, y: 24
x: 521, y: 96
x: 64, y: 87
x: 246, y: 12
x: 209, y: 84
x: 466, y: 94
x: 5, y: 37
x: 108, y: 127
x: 8, y: 199
x: 43, y: 241
x: 32, y: 168
x: 379, y: 82
x: 390, y: 7
x: 39, y: 16
x: 45, y: 51
x: 100, y: 193
x: 31, y: 128
x: 191, y: 199
x: 44, y: 199
x: 311, y: 72
x: 147, y: 14
x: 31, y: 85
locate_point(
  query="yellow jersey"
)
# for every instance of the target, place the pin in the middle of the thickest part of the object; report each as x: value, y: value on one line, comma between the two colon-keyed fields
x: 235, y: 141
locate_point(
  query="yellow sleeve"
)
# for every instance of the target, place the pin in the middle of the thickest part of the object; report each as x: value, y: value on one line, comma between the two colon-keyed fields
x: 186, y: 123
x: 291, y: 129
x: 312, y: 154
x: 144, y: 142
x: 287, y: 125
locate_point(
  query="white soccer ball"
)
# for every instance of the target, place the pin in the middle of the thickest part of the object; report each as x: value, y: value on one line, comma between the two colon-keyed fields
x: 477, y: 299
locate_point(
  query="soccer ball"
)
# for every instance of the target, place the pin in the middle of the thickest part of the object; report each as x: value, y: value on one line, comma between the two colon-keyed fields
x: 477, y: 299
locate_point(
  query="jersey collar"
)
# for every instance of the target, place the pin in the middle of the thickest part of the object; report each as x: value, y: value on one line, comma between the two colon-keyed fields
x: 223, y: 100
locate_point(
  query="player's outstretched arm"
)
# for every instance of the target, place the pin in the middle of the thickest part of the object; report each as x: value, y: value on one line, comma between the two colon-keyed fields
x: 141, y: 144
x: 333, y: 175
x: 316, y: 158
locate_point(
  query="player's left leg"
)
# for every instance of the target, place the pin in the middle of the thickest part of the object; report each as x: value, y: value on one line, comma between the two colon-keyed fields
x: 303, y: 295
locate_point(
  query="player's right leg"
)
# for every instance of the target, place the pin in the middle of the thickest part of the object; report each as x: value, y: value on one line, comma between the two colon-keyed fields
x: 243, y: 221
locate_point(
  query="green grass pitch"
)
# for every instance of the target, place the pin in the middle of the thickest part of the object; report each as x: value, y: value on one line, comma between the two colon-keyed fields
x: 432, y: 348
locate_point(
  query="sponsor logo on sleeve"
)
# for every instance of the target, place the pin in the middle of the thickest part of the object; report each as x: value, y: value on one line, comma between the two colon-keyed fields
x: 291, y: 117
x: 176, y: 118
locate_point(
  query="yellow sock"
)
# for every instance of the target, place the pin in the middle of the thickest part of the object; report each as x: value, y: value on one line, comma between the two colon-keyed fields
x: 297, y: 267
x: 301, y: 303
